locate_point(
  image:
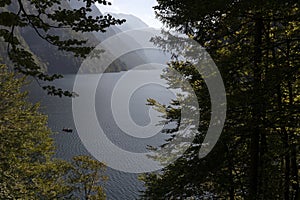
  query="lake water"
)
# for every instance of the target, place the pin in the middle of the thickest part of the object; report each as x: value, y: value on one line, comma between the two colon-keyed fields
x: 121, y: 185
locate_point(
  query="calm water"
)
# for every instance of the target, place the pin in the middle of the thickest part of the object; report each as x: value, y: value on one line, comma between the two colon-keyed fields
x: 121, y: 185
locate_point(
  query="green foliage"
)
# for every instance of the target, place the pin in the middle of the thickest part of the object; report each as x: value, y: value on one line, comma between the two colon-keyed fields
x: 26, y: 168
x: 255, y: 45
x: 44, y: 18
x: 85, y: 177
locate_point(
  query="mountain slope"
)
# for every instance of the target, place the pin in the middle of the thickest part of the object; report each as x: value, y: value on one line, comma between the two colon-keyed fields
x: 132, y: 22
x: 48, y: 56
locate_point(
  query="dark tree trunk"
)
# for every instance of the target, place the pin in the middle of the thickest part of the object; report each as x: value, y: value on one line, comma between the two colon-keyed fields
x: 231, y: 176
x: 257, y: 110
x: 287, y: 167
x: 294, y: 173
x: 294, y: 167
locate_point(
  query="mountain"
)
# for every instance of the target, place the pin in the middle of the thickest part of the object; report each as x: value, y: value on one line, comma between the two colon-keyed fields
x: 132, y: 22
x: 131, y: 59
x: 110, y: 31
x: 54, y: 61
x: 48, y: 56
x: 141, y: 56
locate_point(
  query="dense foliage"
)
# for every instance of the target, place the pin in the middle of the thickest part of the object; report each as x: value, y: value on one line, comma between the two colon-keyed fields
x: 256, y: 46
x: 85, y: 177
x: 27, y: 169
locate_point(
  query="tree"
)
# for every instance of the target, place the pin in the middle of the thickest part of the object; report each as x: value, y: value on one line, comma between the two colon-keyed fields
x: 27, y: 170
x: 44, y: 17
x: 256, y: 48
x: 85, y: 177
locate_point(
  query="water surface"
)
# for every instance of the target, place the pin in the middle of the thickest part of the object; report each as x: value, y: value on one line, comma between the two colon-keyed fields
x: 121, y: 185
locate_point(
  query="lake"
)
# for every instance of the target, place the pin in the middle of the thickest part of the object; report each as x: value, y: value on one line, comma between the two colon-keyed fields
x: 121, y: 185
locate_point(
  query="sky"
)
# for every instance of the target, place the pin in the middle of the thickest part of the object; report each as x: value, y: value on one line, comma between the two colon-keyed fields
x: 140, y: 8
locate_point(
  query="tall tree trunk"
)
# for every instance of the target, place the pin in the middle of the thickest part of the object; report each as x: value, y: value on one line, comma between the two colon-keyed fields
x: 294, y: 173
x: 231, y: 175
x: 287, y: 158
x: 257, y: 110
x: 294, y: 167
x: 287, y: 166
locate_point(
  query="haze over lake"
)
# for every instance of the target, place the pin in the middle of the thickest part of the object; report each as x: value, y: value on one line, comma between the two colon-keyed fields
x: 121, y: 185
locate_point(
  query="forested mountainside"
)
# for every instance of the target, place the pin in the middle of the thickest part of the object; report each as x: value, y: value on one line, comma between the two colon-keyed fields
x: 48, y: 56
x: 132, y: 22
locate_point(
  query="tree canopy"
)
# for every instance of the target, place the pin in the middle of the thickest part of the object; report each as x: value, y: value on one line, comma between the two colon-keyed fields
x: 27, y: 167
x: 255, y: 45
x: 44, y: 18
